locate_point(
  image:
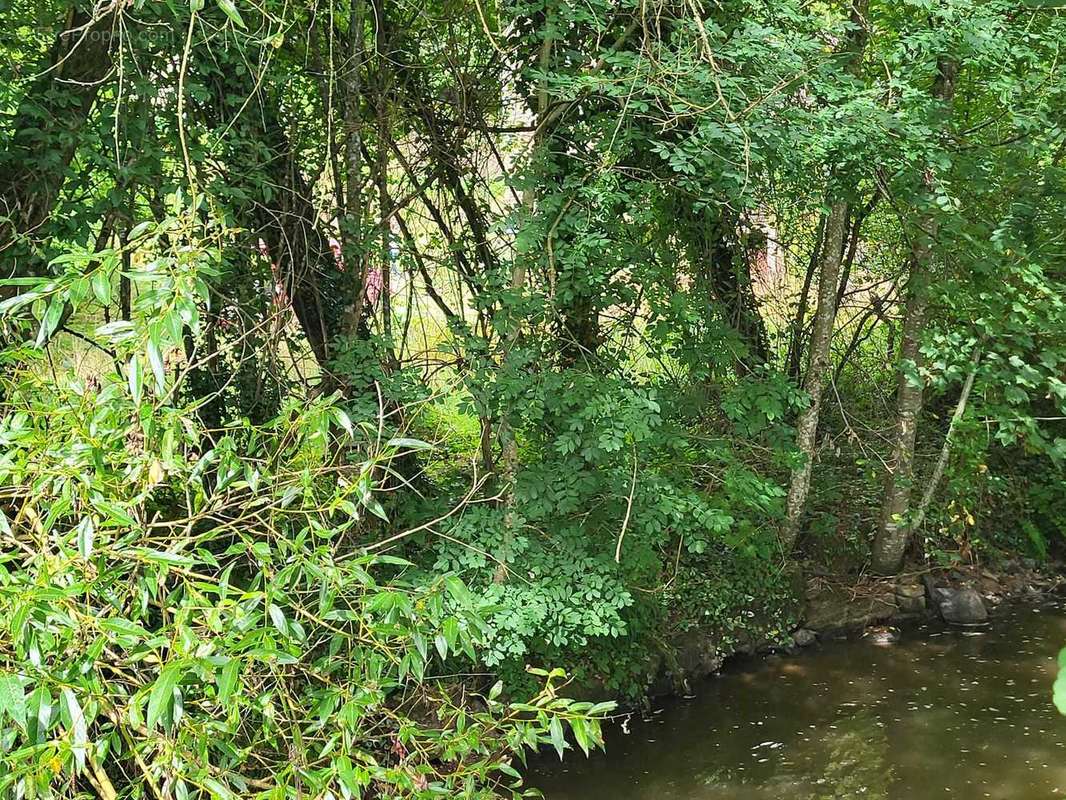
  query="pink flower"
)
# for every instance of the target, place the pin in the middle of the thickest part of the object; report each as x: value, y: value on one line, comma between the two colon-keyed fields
x: 338, y: 257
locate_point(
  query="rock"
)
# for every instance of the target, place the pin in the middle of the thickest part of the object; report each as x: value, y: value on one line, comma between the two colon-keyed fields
x: 696, y: 657
x: 804, y: 637
x: 961, y: 606
x: 882, y: 635
x: 931, y: 597
x: 910, y: 598
x: 834, y: 611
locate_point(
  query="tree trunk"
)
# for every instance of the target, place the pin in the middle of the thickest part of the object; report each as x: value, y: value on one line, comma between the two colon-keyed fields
x: 384, y: 58
x: 723, y: 272
x: 729, y: 274
x: 824, y: 317
x: 795, y: 341
x: 895, y: 526
x: 945, y: 451
x: 817, y: 372
x: 49, y: 118
x: 508, y: 443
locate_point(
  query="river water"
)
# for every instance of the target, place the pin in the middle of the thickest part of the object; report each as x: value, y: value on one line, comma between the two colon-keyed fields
x: 941, y: 714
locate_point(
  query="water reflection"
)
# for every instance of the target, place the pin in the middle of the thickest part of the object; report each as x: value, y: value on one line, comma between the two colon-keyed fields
x: 963, y: 714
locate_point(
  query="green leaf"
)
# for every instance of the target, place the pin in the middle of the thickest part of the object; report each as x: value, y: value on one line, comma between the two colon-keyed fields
x: 163, y: 557
x: 277, y: 616
x: 558, y: 739
x: 50, y: 321
x: 123, y: 627
x: 162, y: 695
x: 12, y: 698
x: 344, y: 421
x: 451, y: 631
x: 509, y: 771
x: 375, y: 507
x: 460, y: 594
x: 79, y: 730
x: 155, y: 358
x: 39, y: 717
x: 86, y: 535
x: 227, y: 681
x: 409, y: 444
x: 135, y: 378
x: 142, y: 228
x: 230, y: 10
x: 218, y: 789
x: 101, y: 283
x: 577, y: 725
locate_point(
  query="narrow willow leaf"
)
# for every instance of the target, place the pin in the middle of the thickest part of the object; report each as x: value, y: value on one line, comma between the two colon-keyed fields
x: 227, y: 681
x: 177, y: 706
x: 101, y: 283
x: 12, y: 698
x: 50, y: 321
x: 277, y: 616
x: 124, y: 628
x: 86, y: 535
x: 79, y: 731
x: 39, y: 718
x: 163, y: 557
x: 155, y: 358
x: 162, y: 695
x: 409, y: 444
x: 135, y: 378
x: 577, y: 725
x: 460, y: 594
x: 231, y: 11
x: 375, y: 507
x: 218, y: 789
x: 344, y: 421
x: 451, y: 631
x: 558, y: 739
x: 142, y: 228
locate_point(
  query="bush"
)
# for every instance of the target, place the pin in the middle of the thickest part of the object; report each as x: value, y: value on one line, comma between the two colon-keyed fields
x: 206, y: 613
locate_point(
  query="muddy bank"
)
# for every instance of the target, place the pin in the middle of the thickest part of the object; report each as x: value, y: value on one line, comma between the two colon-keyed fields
x: 834, y: 607
x: 945, y: 712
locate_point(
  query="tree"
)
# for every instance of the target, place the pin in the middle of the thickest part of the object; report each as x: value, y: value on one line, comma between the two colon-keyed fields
x: 894, y: 528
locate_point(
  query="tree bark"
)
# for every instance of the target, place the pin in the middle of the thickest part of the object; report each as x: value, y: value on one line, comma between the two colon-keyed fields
x: 945, y: 451
x: 730, y: 280
x: 723, y: 272
x: 795, y: 342
x: 895, y: 526
x: 817, y: 372
x: 48, y: 120
x: 824, y: 318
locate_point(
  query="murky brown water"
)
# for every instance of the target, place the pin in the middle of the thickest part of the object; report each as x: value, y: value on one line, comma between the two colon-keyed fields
x: 942, y: 714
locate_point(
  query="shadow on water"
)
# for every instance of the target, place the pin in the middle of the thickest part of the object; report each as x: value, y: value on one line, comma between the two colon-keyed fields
x: 943, y: 713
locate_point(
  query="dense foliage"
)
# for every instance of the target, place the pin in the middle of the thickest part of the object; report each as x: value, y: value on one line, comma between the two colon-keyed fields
x: 358, y: 355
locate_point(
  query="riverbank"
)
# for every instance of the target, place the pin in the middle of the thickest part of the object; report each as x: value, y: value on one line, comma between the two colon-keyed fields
x: 833, y: 607
x: 944, y: 712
